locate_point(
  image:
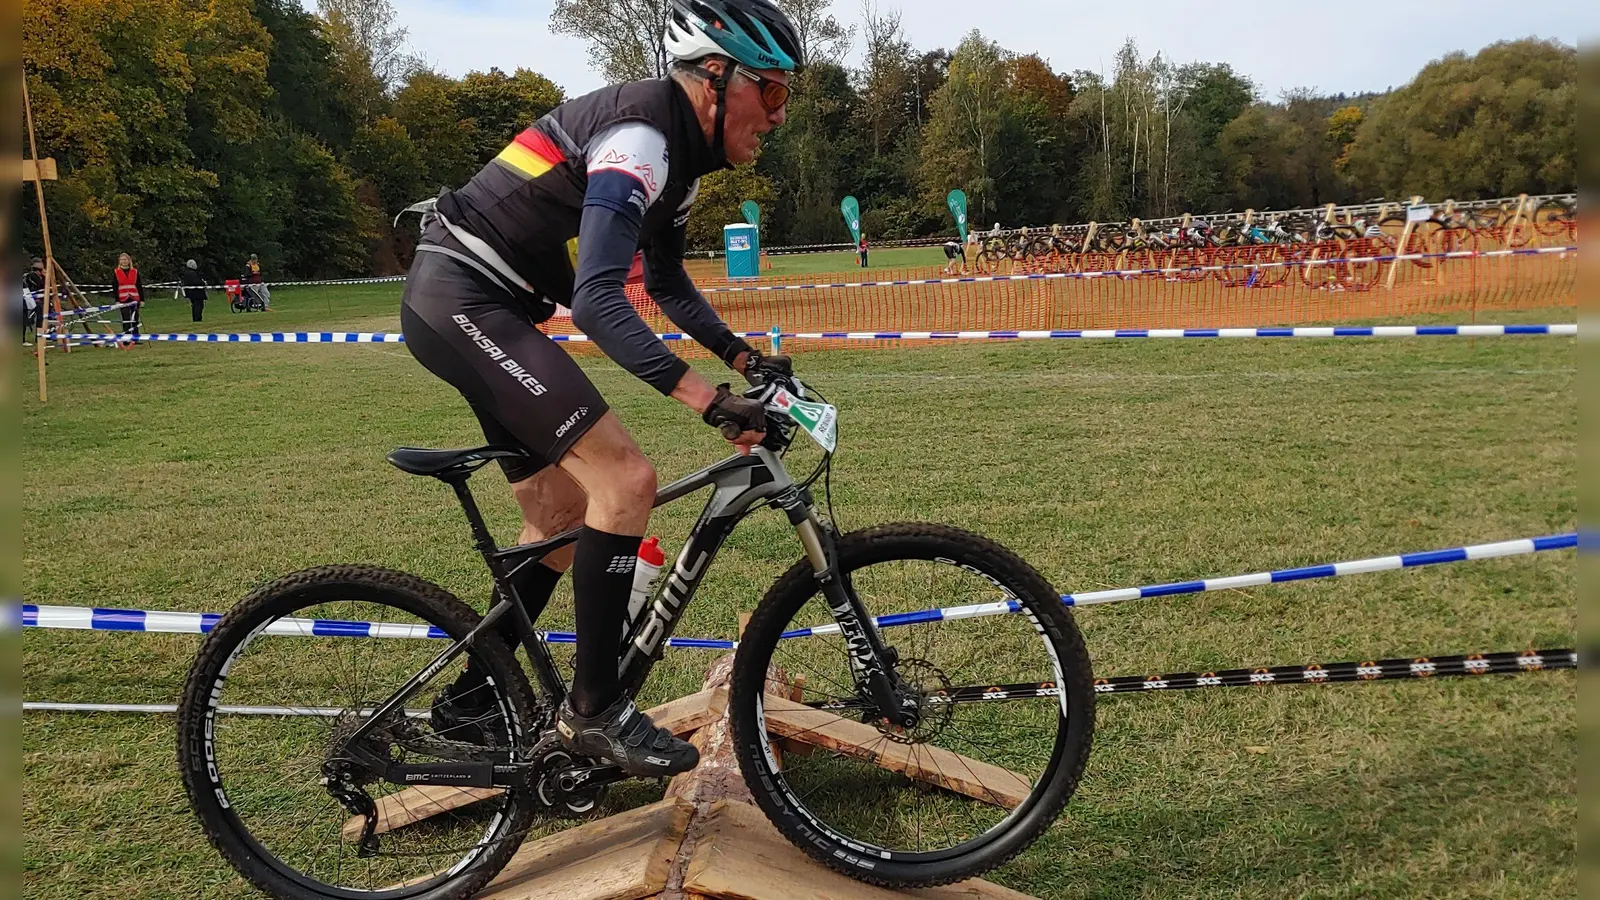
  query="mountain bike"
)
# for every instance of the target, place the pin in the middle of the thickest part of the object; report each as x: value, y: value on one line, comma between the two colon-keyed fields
x: 308, y: 706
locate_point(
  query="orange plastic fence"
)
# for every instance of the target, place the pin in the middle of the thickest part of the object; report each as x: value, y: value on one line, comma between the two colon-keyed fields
x: 1233, y: 287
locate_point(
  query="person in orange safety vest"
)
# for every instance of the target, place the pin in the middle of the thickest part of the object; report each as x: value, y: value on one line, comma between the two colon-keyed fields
x: 130, y: 290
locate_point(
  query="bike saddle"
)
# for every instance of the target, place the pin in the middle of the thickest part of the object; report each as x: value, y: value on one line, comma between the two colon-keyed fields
x: 447, y: 464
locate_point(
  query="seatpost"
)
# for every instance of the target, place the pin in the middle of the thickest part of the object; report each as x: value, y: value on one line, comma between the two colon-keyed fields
x: 481, y: 538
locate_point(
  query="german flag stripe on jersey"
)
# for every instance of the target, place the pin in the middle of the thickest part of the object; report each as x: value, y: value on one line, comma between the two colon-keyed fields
x: 531, y: 154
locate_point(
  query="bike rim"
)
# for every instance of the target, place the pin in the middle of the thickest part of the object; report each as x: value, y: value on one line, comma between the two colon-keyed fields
x: 966, y: 745
x: 267, y: 770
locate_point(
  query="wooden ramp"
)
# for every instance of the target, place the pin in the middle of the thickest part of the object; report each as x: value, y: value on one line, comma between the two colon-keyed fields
x: 706, y: 840
x: 742, y: 857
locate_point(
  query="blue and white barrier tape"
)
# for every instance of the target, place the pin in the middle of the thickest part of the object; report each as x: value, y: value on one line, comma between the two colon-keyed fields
x: 377, y: 337
x: 99, y: 619
x: 84, y: 618
x: 1255, y: 579
x: 83, y: 310
x: 331, y: 282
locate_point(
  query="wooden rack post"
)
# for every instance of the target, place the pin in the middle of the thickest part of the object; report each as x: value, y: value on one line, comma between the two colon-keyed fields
x: 39, y: 171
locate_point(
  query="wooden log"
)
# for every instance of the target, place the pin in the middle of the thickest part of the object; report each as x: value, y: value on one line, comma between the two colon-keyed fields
x: 742, y: 857
x: 621, y: 857
x: 933, y: 765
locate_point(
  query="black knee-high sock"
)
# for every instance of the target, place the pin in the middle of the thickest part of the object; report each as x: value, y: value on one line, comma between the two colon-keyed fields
x: 602, y: 576
x: 534, y: 585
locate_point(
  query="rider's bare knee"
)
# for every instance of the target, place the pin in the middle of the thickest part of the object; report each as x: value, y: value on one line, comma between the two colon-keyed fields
x: 632, y: 484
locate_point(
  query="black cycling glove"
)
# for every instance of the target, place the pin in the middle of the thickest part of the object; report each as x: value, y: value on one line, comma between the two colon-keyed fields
x: 780, y: 364
x: 734, y: 414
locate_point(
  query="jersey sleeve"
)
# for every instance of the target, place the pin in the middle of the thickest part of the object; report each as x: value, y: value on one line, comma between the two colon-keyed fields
x: 627, y: 169
x: 674, y: 291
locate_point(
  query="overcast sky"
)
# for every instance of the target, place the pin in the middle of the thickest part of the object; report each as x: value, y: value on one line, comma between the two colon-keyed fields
x: 1339, y: 46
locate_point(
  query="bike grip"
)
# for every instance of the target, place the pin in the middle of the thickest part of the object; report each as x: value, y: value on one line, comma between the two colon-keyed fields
x: 730, y: 430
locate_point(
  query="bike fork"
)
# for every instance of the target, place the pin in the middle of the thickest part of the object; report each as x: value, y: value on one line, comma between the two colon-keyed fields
x: 872, y: 661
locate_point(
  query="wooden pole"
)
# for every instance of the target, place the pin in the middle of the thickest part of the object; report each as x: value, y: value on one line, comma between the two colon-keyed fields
x: 1516, y: 222
x: 44, y: 230
x: 1405, y: 240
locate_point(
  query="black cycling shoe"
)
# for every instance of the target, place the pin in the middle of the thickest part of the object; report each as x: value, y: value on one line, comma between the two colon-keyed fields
x: 622, y: 735
x: 455, y: 717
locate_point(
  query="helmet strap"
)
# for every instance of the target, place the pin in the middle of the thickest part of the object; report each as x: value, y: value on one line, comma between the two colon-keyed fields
x: 720, y: 84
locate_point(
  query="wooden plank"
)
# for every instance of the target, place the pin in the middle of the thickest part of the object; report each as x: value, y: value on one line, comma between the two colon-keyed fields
x: 38, y: 170
x: 623, y: 857
x: 687, y: 714
x: 926, y: 763
x: 414, y: 804
x: 740, y: 856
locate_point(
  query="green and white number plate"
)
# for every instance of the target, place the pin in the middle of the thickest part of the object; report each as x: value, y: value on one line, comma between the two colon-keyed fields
x: 820, y: 420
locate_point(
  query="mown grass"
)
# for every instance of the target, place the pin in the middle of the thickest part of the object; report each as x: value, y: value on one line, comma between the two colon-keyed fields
x: 178, y: 477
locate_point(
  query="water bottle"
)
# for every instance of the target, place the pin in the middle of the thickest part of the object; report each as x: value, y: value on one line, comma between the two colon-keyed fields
x: 645, y: 570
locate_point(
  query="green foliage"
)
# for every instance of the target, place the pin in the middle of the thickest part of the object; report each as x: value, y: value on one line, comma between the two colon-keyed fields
x: 1498, y: 123
x: 384, y: 154
x: 299, y: 69
x: 719, y: 199
x: 501, y: 105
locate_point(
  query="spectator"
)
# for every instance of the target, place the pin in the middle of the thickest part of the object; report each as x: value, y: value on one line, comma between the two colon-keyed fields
x: 257, y: 285
x: 194, y: 288
x: 861, y: 251
x: 33, y: 304
x: 130, y: 291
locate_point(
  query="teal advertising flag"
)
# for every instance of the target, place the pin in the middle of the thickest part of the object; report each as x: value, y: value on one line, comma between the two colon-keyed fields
x: 957, y: 201
x: 852, y: 217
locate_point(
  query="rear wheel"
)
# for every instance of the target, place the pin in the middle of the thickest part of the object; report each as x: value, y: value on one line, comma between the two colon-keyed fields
x: 1000, y: 681
x: 265, y: 750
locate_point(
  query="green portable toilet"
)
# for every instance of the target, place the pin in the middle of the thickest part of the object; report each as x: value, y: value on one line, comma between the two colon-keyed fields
x: 743, y: 248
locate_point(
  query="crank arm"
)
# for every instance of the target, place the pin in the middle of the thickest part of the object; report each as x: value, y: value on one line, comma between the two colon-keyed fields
x: 586, y: 779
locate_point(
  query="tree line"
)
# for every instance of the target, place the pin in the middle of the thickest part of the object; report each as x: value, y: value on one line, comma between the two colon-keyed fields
x: 220, y: 129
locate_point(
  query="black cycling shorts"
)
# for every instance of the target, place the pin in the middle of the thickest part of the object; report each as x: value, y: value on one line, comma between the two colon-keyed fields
x: 525, y: 390
x: 951, y: 251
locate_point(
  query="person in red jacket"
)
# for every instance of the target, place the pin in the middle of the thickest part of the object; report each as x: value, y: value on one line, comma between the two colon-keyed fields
x: 861, y: 251
x: 130, y: 290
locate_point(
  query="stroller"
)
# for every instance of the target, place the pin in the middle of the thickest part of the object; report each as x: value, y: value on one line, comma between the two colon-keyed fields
x: 243, y: 297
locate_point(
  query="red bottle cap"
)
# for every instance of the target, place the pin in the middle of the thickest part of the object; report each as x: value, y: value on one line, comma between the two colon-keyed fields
x: 650, y: 551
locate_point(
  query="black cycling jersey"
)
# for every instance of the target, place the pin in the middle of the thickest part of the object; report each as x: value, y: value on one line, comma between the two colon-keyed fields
x: 558, y: 178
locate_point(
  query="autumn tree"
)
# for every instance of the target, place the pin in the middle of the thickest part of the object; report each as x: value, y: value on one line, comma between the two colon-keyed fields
x: 1497, y: 123
x: 624, y: 36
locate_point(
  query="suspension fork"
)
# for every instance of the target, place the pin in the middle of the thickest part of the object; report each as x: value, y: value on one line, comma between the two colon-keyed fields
x: 871, y: 660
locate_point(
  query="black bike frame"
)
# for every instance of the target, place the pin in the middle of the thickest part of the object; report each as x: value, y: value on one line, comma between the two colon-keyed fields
x: 741, y: 483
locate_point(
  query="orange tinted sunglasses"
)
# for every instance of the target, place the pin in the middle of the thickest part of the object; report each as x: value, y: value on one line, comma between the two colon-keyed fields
x: 774, y: 94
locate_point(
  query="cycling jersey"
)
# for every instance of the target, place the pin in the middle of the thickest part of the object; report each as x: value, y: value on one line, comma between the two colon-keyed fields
x: 623, y: 166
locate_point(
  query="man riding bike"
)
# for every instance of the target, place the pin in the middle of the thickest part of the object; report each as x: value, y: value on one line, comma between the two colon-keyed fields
x: 621, y: 167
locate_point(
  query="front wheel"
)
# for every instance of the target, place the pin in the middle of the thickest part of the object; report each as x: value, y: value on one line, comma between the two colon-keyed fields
x: 985, y: 653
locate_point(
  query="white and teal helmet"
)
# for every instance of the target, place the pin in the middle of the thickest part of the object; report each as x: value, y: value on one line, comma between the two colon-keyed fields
x: 753, y: 33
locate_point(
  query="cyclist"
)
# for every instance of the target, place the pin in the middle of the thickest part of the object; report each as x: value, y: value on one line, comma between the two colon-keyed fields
x: 953, y: 257
x: 621, y: 167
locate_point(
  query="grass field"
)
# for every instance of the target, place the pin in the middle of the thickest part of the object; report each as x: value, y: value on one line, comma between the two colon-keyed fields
x: 845, y: 261
x: 178, y: 477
